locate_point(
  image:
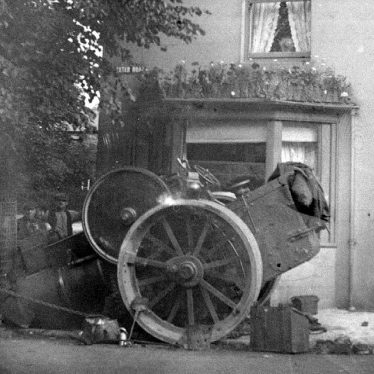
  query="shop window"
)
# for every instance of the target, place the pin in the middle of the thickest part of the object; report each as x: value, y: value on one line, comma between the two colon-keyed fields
x: 228, y: 162
x: 239, y: 152
x: 237, y: 149
x: 229, y: 151
x: 278, y: 28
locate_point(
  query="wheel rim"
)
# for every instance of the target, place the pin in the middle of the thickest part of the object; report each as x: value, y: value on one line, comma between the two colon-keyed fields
x: 195, y: 263
x: 114, y: 202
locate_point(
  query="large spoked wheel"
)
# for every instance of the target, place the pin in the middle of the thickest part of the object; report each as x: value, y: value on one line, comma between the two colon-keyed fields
x: 192, y: 264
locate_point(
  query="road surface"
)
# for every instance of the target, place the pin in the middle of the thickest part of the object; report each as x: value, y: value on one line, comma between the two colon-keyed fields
x: 20, y: 355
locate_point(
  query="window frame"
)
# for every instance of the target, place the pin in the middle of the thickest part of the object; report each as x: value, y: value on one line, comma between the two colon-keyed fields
x: 326, y: 171
x: 326, y: 161
x: 246, y: 32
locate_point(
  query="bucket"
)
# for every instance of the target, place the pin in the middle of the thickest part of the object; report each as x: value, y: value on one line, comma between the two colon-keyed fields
x: 306, y: 303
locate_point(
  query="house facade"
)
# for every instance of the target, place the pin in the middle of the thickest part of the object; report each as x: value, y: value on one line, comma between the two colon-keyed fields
x: 234, y: 134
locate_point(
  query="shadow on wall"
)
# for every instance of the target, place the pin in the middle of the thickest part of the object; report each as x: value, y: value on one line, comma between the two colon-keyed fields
x: 315, y: 277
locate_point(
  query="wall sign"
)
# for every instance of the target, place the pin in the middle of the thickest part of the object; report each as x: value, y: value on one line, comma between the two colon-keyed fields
x: 130, y: 69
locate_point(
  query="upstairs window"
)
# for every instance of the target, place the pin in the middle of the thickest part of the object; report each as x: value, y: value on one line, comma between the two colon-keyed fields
x: 279, y: 28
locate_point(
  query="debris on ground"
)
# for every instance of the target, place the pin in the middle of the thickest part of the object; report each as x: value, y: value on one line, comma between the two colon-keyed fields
x: 346, y: 333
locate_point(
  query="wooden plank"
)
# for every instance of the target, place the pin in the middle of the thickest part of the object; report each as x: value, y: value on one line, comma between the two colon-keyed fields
x: 343, y: 236
x: 273, y: 146
x: 178, y: 143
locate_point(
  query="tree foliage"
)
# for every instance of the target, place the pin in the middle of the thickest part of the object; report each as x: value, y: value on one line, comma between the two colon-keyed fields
x: 50, y: 53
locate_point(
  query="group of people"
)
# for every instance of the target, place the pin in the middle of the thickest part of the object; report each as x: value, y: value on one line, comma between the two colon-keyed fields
x: 54, y: 222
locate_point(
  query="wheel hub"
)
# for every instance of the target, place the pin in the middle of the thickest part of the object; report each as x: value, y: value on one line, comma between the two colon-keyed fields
x: 128, y: 215
x: 186, y: 270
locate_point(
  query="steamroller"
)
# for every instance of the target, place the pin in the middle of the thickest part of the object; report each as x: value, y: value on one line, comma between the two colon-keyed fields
x: 191, y: 260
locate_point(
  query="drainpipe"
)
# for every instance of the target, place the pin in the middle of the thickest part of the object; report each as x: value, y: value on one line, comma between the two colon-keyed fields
x: 242, y: 31
x: 352, y: 218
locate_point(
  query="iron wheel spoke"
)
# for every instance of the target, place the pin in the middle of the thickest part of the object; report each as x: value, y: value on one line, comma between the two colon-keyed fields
x: 217, y: 293
x: 201, y: 239
x: 221, y: 244
x: 189, y: 232
x: 161, y: 295
x: 172, y: 237
x: 159, y: 243
x: 219, y: 263
x: 190, y: 307
x: 209, y: 304
x: 174, y: 309
x: 151, y: 280
x: 133, y: 259
x: 227, y: 279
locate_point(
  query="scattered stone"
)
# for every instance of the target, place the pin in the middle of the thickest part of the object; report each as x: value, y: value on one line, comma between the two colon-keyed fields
x: 365, y: 323
x: 340, y: 346
x: 6, y: 333
x: 324, y: 347
x: 362, y: 349
x: 232, y: 344
x: 343, y: 345
x: 243, y: 329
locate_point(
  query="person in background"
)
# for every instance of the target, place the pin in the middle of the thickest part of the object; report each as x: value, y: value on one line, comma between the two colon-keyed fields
x: 286, y: 45
x: 61, y: 218
x: 27, y: 225
x: 42, y: 215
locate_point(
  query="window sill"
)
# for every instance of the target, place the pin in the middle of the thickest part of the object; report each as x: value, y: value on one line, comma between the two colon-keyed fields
x: 300, y: 56
x: 324, y: 244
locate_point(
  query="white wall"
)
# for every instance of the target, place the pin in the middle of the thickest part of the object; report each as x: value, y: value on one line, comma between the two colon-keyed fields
x: 315, y: 277
x: 342, y: 33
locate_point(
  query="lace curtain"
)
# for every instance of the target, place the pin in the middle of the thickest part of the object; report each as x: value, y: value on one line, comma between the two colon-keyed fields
x: 265, y: 18
x: 300, y: 152
x: 299, y: 17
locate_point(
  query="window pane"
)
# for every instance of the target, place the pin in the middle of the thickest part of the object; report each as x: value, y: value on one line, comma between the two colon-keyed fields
x: 242, y: 152
x: 230, y: 161
x: 300, y: 152
x: 264, y: 17
x: 283, y: 41
x: 280, y: 26
x: 233, y: 131
x: 299, y: 144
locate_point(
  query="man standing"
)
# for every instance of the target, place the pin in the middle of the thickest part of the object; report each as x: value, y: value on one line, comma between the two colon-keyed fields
x: 27, y: 225
x: 42, y: 214
x: 61, y: 219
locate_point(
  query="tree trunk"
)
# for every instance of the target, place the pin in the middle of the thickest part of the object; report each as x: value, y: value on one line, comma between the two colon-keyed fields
x: 8, y: 207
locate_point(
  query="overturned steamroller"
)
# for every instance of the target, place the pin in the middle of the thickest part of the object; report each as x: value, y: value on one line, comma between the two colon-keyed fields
x: 190, y: 262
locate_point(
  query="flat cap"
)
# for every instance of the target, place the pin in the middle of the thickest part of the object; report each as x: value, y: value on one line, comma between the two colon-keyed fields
x: 29, y: 206
x: 62, y: 197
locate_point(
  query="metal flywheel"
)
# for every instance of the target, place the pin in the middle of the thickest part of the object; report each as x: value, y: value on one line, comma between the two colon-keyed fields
x: 114, y: 203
